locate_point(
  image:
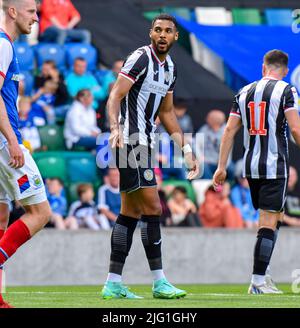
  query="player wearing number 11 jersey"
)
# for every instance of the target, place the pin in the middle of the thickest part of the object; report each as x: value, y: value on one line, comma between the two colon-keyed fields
x: 264, y: 108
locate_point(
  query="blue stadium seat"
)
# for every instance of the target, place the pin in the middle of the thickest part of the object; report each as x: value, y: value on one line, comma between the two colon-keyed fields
x: 51, y: 51
x: 25, y: 56
x: 279, y: 17
x: 86, y: 51
x: 82, y: 169
x: 28, y: 79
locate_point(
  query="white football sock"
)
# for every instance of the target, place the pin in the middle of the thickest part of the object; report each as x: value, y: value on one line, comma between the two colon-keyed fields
x: 258, y: 279
x: 158, y: 274
x: 113, y: 277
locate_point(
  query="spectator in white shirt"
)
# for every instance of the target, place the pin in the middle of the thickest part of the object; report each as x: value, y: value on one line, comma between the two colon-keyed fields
x: 81, y: 125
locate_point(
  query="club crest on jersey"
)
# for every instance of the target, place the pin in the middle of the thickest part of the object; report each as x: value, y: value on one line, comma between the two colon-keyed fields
x: 148, y: 175
x: 168, y: 76
x: 16, y: 77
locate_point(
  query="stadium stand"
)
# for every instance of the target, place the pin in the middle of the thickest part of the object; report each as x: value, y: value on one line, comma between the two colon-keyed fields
x: 279, y: 17
x: 246, y: 16
x: 52, y: 137
x: 25, y: 56
x: 86, y: 51
x: 50, y: 51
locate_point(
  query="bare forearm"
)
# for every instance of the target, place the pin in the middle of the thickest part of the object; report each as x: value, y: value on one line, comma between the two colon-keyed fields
x: 169, y: 121
x: 74, y: 21
x: 110, y: 215
x: 225, y: 148
x: 5, y: 126
x: 113, y: 108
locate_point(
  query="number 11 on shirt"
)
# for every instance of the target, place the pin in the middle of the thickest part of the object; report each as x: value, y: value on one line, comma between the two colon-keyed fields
x: 253, y: 131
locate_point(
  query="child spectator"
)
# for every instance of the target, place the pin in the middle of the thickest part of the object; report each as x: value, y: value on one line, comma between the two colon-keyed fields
x: 217, y: 211
x: 43, y: 104
x: 109, y: 198
x: 27, y: 127
x: 84, y: 210
x: 58, y: 204
x: 184, y: 211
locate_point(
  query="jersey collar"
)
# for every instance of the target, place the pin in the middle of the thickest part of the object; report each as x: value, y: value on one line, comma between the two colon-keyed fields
x: 9, y: 38
x: 161, y: 63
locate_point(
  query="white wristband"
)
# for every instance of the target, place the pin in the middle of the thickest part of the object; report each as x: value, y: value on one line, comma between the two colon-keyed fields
x: 187, y: 149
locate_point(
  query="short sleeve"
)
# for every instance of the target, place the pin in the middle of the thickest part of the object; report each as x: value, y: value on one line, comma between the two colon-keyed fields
x: 6, y: 56
x: 172, y: 86
x: 290, y: 99
x: 235, y: 109
x: 135, y: 65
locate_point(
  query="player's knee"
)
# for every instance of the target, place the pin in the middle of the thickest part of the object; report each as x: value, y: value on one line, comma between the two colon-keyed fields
x: 153, y: 209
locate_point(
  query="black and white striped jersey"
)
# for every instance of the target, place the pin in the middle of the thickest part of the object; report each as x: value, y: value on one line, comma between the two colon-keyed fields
x: 152, y: 80
x: 262, y: 106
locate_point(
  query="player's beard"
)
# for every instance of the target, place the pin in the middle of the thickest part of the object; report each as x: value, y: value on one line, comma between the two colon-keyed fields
x: 162, y: 51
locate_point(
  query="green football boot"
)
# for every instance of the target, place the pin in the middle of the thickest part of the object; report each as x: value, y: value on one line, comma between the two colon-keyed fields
x: 163, y: 289
x: 117, y: 290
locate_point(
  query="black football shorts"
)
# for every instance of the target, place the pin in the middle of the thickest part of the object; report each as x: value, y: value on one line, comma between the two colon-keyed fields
x: 268, y: 194
x: 135, y: 167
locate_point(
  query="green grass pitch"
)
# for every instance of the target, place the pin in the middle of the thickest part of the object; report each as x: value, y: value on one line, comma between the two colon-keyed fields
x: 199, y: 296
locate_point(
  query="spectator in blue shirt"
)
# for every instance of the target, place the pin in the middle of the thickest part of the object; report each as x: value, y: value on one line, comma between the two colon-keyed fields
x: 58, y: 203
x: 109, y: 198
x: 81, y: 79
x: 241, y: 198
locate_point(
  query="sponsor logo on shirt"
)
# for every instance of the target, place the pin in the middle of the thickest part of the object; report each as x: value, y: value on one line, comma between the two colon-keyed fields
x: 16, y: 77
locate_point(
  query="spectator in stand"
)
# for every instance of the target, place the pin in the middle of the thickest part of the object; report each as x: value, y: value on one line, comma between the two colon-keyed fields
x: 27, y: 127
x: 184, y: 119
x: 213, y: 131
x: 241, y: 198
x: 217, y: 210
x: 43, y: 101
x: 109, y: 198
x: 84, y: 210
x: 107, y: 83
x: 58, y: 204
x: 58, y: 21
x: 48, y: 72
x: 81, y: 79
x: 80, y: 124
x: 292, y: 206
x: 184, y: 211
x: 166, y: 215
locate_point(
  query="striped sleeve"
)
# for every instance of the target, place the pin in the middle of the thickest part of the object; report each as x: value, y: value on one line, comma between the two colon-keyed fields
x: 135, y: 65
x: 6, y: 57
x: 290, y: 99
x: 235, y: 109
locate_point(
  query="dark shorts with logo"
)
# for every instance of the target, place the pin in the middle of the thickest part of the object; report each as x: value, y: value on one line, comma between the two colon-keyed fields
x: 135, y: 167
x: 268, y: 194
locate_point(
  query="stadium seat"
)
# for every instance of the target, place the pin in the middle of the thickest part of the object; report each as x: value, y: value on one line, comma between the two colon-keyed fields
x: 86, y: 51
x: 246, y: 16
x: 179, y: 11
x: 28, y: 80
x: 213, y: 16
x: 150, y: 15
x: 52, y: 137
x: 82, y: 169
x: 25, y: 56
x: 52, y: 166
x: 50, y: 51
x: 279, y: 17
x: 182, y: 183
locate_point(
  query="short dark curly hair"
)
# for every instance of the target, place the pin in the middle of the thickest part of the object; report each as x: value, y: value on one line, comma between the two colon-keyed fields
x: 165, y: 17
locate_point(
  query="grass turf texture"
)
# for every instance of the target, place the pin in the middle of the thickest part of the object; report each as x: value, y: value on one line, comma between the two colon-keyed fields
x: 199, y: 296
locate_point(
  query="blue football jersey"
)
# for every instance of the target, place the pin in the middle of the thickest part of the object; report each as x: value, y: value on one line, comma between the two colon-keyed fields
x: 9, y: 70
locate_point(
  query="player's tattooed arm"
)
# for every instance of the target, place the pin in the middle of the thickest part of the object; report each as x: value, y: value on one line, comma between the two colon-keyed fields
x: 118, y: 92
x: 16, y: 154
